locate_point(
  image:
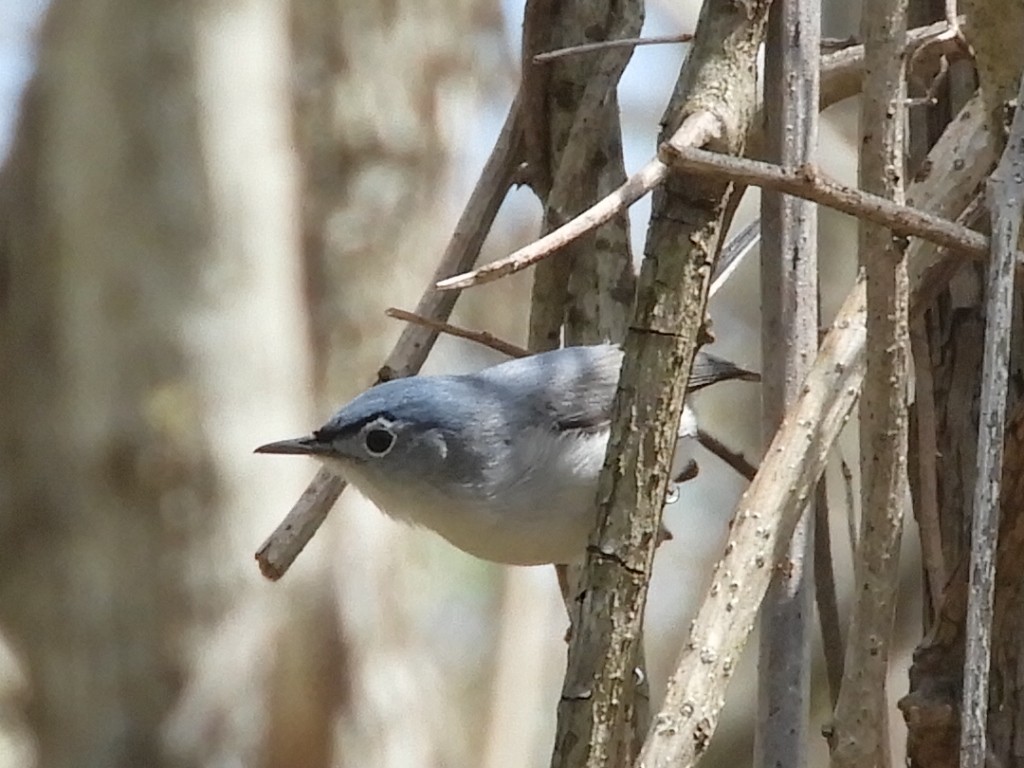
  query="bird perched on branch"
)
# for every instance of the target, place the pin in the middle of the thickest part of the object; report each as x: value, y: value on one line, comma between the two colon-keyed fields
x: 503, y: 463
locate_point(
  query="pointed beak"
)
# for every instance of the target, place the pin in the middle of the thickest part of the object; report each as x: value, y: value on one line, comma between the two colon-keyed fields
x: 306, y: 446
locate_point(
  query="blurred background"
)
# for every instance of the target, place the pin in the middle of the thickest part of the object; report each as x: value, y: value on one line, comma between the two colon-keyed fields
x: 206, y: 209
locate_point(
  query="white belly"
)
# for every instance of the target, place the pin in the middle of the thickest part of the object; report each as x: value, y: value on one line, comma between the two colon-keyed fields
x: 544, y: 516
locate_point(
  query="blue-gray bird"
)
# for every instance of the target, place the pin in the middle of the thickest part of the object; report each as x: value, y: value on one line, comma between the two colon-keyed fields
x: 503, y: 463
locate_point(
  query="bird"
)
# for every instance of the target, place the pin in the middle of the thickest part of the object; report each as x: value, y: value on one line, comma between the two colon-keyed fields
x: 503, y: 462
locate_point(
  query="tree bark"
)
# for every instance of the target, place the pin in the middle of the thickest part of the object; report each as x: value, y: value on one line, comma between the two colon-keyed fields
x: 955, y: 332
x: 789, y: 324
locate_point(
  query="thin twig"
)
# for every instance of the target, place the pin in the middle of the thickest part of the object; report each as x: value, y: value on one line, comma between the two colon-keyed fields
x: 483, y: 338
x: 1006, y: 196
x: 840, y: 79
x: 697, y: 131
x: 825, y: 592
x: 809, y: 183
x: 636, y: 186
x: 733, y: 458
x: 604, y: 45
x: 276, y: 555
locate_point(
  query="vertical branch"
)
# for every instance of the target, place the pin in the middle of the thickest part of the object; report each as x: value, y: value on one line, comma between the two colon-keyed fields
x: 714, y: 99
x: 861, y: 724
x: 789, y: 265
x: 1006, y: 201
x: 574, y: 153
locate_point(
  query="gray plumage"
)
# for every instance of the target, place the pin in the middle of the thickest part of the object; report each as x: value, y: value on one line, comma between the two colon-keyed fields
x: 503, y: 462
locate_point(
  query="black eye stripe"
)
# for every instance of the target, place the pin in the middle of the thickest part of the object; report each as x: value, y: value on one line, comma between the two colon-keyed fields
x: 332, y: 431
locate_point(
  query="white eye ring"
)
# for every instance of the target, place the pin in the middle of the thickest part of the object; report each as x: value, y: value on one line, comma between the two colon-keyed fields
x: 379, y: 440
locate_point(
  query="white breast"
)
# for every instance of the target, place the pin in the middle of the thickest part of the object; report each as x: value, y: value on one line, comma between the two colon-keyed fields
x: 542, y: 514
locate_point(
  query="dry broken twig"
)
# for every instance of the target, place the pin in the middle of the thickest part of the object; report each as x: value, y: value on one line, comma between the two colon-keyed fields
x: 483, y: 338
x: 693, y: 133
x: 1006, y: 197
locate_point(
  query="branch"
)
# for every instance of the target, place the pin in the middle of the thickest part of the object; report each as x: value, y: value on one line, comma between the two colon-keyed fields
x: 1006, y: 196
x: 636, y: 186
x: 483, y: 338
x: 769, y: 509
x: 714, y: 98
x: 840, y: 79
x: 789, y: 342
x: 807, y: 182
x: 734, y: 459
x: 764, y: 520
x: 860, y: 731
x: 276, y: 555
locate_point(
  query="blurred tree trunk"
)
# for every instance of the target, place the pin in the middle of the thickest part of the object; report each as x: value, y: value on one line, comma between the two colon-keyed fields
x: 374, y: 82
x: 152, y: 333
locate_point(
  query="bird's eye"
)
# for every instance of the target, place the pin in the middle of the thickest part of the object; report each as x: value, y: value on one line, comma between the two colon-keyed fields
x: 379, y: 441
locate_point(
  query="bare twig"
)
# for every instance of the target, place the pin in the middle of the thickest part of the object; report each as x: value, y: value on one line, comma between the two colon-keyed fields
x: 714, y: 97
x: 734, y: 459
x: 696, y: 132
x: 789, y: 341
x: 483, y: 338
x: 860, y: 733
x: 825, y: 592
x: 636, y: 186
x: 280, y: 549
x: 1006, y: 196
x: 809, y: 183
x: 840, y: 79
x: 604, y: 45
